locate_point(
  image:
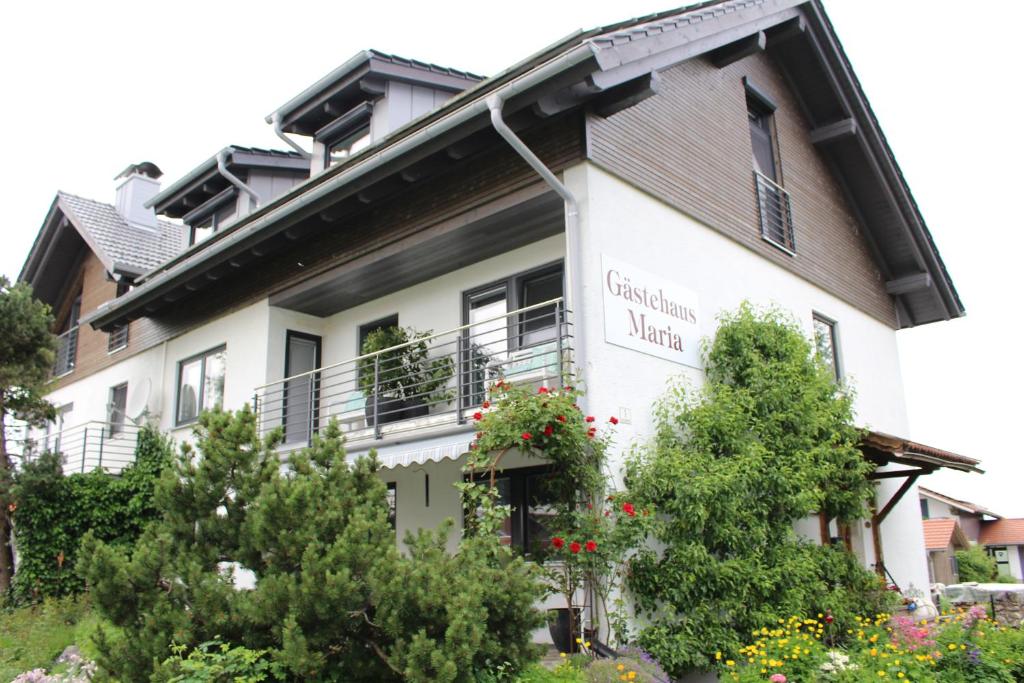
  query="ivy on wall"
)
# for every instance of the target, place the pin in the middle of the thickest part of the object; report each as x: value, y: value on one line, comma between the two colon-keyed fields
x: 52, y: 512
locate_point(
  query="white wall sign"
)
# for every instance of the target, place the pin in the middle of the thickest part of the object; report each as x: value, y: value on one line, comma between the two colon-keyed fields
x: 650, y: 314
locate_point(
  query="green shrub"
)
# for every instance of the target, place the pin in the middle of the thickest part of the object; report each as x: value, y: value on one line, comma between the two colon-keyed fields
x: 54, y: 512
x: 767, y: 441
x: 217, y: 662
x: 975, y: 564
x: 333, y: 599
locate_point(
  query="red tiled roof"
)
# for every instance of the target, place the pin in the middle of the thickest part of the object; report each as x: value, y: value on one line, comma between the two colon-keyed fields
x: 1002, y: 532
x: 938, y: 533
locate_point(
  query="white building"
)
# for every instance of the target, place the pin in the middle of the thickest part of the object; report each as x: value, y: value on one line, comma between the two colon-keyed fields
x: 708, y: 156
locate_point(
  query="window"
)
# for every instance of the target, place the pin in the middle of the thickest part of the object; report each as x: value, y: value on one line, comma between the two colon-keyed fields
x: 773, y: 204
x: 826, y: 343
x: 200, y: 384
x: 493, y: 337
x: 368, y: 328
x: 527, y: 493
x: 392, y: 499
x: 301, y: 399
x: 117, y: 339
x: 924, y: 508
x: 348, y: 145
x: 67, y: 340
x: 204, y: 229
x: 116, y: 408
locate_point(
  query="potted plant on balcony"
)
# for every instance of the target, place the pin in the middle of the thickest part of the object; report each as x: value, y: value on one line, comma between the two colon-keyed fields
x: 401, y: 381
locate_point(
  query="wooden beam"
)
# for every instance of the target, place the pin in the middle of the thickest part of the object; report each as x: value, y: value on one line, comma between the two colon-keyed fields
x: 887, y: 508
x: 823, y: 529
x: 831, y: 132
x: 896, y: 474
x: 735, y: 51
x: 908, y: 284
x: 627, y: 94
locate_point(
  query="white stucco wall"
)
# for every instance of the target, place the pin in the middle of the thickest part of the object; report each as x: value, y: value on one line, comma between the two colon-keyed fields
x: 630, y: 225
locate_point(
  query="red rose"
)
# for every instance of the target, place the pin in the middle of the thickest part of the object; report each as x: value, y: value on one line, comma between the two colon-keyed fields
x: 479, y: 434
x: 607, y: 513
x: 629, y: 509
x: 542, y: 390
x: 549, y: 430
x: 591, y: 546
x: 561, y: 418
x: 590, y: 418
x: 574, y: 547
x: 829, y: 619
x: 472, y: 446
x: 614, y: 420
x: 527, y: 436
x: 478, y: 415
x: 557, y: 542
x: 486, y: 404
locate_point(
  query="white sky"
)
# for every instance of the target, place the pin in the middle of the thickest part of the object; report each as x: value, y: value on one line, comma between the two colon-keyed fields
x: 88, y: 88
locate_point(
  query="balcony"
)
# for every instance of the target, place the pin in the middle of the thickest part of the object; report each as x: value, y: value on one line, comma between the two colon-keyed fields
x: 67, y: 351
x: 775, y: 213
x: 424, y: 385
x: 109, y: 446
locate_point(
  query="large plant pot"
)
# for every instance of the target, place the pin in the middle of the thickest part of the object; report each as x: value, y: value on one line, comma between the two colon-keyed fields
x: 415, y: 407
x: 558, y: 627
x: 391, y: 410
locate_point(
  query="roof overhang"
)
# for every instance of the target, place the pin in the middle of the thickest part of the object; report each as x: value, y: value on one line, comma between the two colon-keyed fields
x: 205, y: 181
x: 885, y: 449
x: 608, y: 68
x: 958, y: 504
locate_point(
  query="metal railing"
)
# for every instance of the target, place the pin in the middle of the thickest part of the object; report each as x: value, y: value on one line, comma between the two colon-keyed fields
x: 67, y: 350
x: 775, y: 212
x: 435, y: 380
x: 88, y: 446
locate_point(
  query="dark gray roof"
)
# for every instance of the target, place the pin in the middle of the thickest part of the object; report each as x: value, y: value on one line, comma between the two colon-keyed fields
x: 121, y: 245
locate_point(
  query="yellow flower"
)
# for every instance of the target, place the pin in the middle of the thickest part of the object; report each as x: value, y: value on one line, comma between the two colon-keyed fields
x: 561, y: 654
x: 621, y: 667
x: 718, y: 656
x: 952, y: 646
x: 881, y: 674
x: 729, y: 662
x: 632, y: 675
x: 900, y: 675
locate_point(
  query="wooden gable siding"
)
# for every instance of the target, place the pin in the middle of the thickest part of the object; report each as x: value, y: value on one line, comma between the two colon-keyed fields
x: 689, y: 146
x: 90, y: 278
x: 493, y: 173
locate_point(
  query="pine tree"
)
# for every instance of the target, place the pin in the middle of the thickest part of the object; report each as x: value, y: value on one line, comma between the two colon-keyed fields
x: 27, y: 347
x: 333, y: 598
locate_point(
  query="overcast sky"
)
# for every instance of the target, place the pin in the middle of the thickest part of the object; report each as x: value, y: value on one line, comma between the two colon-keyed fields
x: 88, y: 88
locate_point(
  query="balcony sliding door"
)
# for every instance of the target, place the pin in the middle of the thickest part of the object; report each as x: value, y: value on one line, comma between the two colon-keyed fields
x: 302, y: 393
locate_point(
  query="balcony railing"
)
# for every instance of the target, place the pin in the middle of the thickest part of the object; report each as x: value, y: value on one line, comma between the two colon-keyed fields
x: 438, y: 380
x: 67, y: 350
x: 85, y: 447
x: 775, y: 213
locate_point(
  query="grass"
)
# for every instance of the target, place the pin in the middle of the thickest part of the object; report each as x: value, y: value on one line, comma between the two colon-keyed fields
x: 33, y: 637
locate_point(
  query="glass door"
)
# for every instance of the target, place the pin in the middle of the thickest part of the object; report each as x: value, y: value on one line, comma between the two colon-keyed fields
x: 302, y: 394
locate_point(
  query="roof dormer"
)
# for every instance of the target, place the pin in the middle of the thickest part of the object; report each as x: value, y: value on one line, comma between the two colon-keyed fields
x: 230, y: 184
x: 364, y: 100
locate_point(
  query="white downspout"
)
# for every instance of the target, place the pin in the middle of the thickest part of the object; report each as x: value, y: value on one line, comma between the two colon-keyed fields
x: 573, y: 284
x: 222, y: 167
x: 275, y: 121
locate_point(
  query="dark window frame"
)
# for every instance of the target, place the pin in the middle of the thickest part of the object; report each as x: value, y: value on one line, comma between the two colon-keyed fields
x: 115, y: 426
x: 833, y: 325
x: 392, y: 501
x: 514, y: 285
x: 924, y: 509
x: 362, y: 331
x: 319, y: 361
x: 520, y: 495
x: 200, y: 397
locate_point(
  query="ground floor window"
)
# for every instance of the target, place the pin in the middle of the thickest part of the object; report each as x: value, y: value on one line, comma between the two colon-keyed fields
x: 528, y: 493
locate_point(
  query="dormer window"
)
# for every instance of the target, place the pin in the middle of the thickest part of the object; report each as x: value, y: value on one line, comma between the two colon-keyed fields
x: 347, y: 146
x: 205, y: 228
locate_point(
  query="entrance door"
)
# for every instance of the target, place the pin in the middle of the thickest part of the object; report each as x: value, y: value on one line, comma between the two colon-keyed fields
x: 301, y: 394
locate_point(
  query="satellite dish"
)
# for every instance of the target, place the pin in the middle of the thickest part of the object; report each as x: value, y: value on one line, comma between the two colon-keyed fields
x: 138, y: 407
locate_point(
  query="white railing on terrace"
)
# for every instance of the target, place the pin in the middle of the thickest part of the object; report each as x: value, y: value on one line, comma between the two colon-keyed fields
x: 437, y: 380
x: 67, y: 350
x: 88, y: 446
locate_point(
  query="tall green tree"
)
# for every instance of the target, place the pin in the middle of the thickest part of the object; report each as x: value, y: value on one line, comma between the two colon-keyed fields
x: 27, y: 346
x: 767, y: 440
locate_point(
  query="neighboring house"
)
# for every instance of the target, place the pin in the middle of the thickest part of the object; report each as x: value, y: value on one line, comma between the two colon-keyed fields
x: 594, y: 206
x: 1004, y: 541
x: 942, y: 538
x: 972, y: 517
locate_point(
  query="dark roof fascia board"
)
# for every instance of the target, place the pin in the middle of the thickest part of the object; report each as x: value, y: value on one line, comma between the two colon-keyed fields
x: 884, y: 159
x: 272, y: 219
x: 105, y: 259
x: 355, y: 117
x: 210, y: 205
x: 42, y: 244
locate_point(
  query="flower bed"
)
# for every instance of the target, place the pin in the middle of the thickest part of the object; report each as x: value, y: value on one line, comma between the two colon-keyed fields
x: 962, y: 646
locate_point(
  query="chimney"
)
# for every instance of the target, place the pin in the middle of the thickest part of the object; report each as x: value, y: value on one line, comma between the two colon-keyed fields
x: 140, y: 184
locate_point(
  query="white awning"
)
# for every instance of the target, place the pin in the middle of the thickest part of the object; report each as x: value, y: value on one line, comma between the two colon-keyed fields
x: 450, y: 447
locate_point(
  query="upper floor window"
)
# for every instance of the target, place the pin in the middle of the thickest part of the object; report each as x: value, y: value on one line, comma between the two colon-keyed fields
x: 348, y: 145
x: 118, y: 337
x: 204, y: 229
x: 67, y: 340
x: 200, y: 384
x: 924, y: 508
x: 827, y: 343
x: 773, y: 204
